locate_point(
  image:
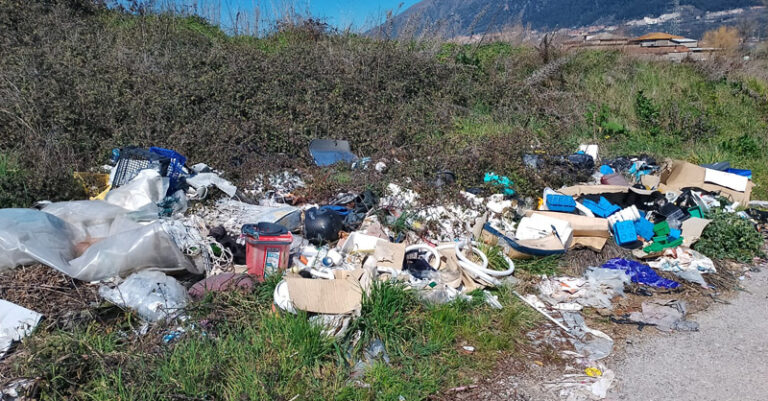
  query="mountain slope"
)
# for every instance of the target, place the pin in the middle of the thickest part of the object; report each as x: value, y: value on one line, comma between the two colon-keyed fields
x: 466, y: 17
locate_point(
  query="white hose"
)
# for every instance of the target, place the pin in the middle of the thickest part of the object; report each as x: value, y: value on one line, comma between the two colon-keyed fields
x: 422, y: 247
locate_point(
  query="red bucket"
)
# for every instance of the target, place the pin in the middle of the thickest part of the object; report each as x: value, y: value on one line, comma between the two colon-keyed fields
x: 267, y: 249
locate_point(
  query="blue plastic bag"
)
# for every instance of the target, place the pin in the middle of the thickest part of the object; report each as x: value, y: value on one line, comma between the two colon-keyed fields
x: 640, y: 273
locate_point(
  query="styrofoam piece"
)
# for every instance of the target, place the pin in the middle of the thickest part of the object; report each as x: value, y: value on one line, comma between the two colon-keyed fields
x: 590, y: 150
x: 539, y: 226
x: 728, y: 180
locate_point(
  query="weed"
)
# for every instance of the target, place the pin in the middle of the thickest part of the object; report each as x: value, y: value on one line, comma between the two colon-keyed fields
x: 385, y: 315
x: 729, y: 236
x: 547, y: 265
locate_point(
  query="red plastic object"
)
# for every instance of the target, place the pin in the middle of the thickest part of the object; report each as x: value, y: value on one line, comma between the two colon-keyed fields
x: 267, y: 254
x: 614, y: 179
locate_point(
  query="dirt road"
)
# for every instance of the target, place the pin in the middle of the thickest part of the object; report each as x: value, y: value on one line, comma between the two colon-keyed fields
x: 727, y: 359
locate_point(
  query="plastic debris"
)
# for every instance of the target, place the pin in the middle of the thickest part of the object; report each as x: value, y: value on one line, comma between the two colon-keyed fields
x: 152, y: 294
x: 640, y: 273
x: 665, y: 315
x: 16, y: 322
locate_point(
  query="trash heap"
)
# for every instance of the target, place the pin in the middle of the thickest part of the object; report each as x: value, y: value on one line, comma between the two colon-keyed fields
x: 153, y: 217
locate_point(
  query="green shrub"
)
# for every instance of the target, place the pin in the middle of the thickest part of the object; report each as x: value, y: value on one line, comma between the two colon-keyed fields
x: 729, y: 236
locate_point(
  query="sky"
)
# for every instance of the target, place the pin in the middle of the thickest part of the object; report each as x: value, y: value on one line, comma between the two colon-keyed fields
x: 358, y: 14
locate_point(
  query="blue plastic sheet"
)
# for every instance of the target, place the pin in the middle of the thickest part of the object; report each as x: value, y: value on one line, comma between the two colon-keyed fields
x: 640, y: 273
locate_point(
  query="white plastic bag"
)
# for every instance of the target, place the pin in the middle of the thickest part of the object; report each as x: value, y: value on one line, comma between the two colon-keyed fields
x: 16, y: 322
x: 152, y: 294
x: 144, y: 190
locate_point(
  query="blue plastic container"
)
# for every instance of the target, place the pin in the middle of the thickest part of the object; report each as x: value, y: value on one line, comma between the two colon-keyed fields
x: 644, y: 228
x: 674, y: 234
x: 625, y: 233
x: 603, y: 208
x: 561, y: 203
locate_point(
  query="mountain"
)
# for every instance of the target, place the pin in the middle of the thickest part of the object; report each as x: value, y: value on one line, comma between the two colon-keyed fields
x: 450, y: 18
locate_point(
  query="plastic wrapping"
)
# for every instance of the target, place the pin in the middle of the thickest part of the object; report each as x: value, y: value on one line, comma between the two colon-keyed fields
x: 29, y: 236
x: 93, y: 219
x: 152, y: 294
x: 146, y: 189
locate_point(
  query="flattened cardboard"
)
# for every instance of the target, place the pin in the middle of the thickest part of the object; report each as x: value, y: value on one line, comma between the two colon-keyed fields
x: 336, y: 297
x: 650, y: 181
x: 583, y: 226
x: 578, y: 190
x: 450, y: 271
x: 692, y: 229
x: 679, y: 174
x: 594, y: 243
x: 389, y: 255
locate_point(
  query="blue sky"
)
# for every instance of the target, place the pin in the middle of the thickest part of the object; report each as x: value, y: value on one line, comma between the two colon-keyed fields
x: 339, y: 13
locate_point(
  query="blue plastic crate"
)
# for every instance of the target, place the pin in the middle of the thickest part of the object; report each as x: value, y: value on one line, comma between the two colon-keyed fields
x: 644, y: 228
x: 625, y: 233
x: 674, y: 234
x: 561, y: 203
x: 175, y: 168
x: 603, y: 208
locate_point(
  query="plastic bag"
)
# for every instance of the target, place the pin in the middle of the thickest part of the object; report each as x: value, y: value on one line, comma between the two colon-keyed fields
x: 16, y: 322
x: 29, y: 236
x: 152, y: 294
x: 146, y: 189
x: 93, y: 219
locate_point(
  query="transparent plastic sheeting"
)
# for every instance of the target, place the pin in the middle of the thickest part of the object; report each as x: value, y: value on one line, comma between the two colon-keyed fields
x: 152, y: 294
x: 29, y: 236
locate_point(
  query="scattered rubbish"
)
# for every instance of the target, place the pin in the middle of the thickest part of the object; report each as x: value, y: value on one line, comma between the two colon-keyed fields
x: 221, y: 283
x: 685, y: 263
x: 152, y: 294
x: 16, y: 322
x: 665, y: 316
x: 468, y: 349
x: 327, y: 152
x: 596, y: 289
x: 502, y: 182
x: 594, y: 344
x: 640, y: 273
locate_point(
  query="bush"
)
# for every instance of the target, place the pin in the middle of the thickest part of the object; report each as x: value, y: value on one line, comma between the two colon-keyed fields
x: 729, y: 236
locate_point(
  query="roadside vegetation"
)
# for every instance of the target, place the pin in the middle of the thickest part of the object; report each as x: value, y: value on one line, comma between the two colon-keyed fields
x: 236, y: 347
x: 80, y: 80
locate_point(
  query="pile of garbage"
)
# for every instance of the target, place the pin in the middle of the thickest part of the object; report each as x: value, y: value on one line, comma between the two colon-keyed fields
x: 153, y: 217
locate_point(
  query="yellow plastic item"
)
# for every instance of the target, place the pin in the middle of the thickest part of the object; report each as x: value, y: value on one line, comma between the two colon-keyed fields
x: 95, y: 185
x: 593, y: 372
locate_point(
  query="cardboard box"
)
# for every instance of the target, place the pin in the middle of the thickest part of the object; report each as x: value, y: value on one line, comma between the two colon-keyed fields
x: 583, y: 226
x: 340, y: 296
x: 679, y: 174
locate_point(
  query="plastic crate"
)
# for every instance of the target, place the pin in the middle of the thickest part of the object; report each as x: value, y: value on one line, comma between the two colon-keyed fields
x: 175, y: 167
x: 696, y: 212
x: 625, y: 233
x: 133, y: 160
x: 644, y: 228
x: 603, y: 208
x: 561, y: 203
x: 659, y: 246
x: 661, y: 229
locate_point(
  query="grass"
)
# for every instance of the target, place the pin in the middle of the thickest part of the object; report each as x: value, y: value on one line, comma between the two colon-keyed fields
x: 237, y: 348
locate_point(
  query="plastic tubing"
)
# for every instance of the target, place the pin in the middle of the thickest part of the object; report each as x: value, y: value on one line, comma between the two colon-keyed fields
x: 430, y: 249
x: 484, y: 268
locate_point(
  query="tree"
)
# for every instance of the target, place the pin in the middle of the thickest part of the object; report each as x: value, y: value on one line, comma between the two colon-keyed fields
x: 725, y: 37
